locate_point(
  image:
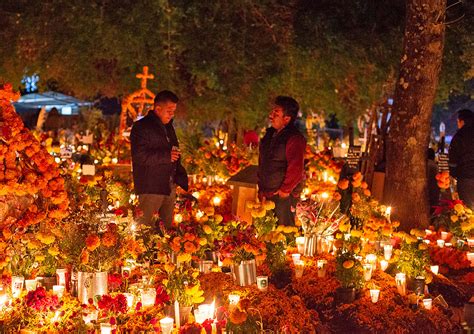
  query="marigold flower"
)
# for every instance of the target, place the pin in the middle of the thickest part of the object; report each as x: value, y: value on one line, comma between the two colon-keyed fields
x: 84, y: 258
x: 92, y: 242
x: 348, y: 264
x: 109, y: 239
x: 207, y: 229
x: 269, y: 205
x: 53, y: 251
x: 184, y: 257
x: 454, y: 218
x: 189, y: 247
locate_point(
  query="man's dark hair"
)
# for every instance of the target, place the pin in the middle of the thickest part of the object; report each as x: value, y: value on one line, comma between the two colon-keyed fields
x: 289, y: 105
x: 166, y: 96
x: 431, y: 154
x: 466, y: 115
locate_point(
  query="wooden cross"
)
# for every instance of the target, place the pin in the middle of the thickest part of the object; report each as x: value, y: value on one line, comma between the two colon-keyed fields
x: 144, y: 76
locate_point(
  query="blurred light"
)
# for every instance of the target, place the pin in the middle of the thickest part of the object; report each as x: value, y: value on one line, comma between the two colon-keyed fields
x: 216, y: 200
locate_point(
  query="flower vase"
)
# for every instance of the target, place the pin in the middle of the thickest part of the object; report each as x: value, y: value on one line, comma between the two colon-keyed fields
x: 345, y: 295
x: 310, y: 244
x: 245, y: 273
x: 91, y: 285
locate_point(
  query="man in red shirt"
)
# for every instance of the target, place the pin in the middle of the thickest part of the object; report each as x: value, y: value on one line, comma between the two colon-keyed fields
x: 281, y: 160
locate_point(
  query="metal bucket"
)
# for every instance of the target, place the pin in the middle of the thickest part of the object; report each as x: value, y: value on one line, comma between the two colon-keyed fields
x: 245, y: 273
x: 91, y: 285
x: 205, y: 266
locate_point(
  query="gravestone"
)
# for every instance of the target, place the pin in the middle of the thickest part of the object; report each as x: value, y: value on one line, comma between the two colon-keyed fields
x: 443, y: 162
x: 244, y: 189
x: 353, y: 157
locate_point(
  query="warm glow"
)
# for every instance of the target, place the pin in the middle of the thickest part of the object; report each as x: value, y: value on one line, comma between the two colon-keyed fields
x: 178, y: 218
x: 114, y: 160
x: 325, y: 195
x: 388, y: 210
x: 216, y: 200
x: 196, y: 194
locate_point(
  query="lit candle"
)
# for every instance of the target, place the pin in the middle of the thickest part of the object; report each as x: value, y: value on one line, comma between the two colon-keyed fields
x: 234, y: 299
x: 374, y: 295
x: 321, y: 267
x: 387, y: 252
x: 401, y: 281
x: 61, y: 276
x: 31, y: 284
x: 299, y: 269
x: 262, y: 282
x: 176, y: 314
x: 448, y: 244
x: 428, y: 232
x: 383, y: 265
x: 300, y: 244
x: 148, y: 297
x: 367, y: 271
x: 428, y: 303
x: 470, y: 242
x: 440, y: 243
x: 199, y: 316
x: 216, y: 201
x: 58, y: 290
x: 166, y: 325
x: 372, y: 259
x: 470, y: 257
x: 130, y: 299
x: 296, y: 257
x: 17, y: 285
x: 444, y: 235
x: 426, y: 241
x: 105, y: 328
x: 434, y: 269
x: 89, y: 317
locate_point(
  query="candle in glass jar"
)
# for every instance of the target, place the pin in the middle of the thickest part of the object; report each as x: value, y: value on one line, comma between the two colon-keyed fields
x: 374, y: 295
x: 130, y: 299
x: 470, y: 257
x: 105, y: 328
x: 321, y: 267
x: 296, y: 257
x: 262, y: 282
x: 234, y: 299
x: 300, y: 244
x: 299, y: 269
x: 17, y: 285
x: 58, y: 290
x: 387, y: 252
x: 444, y: 235
x: 434, y: 269
x: 383, y: 265
x: 148, y: 297
x: 31, y: 284
x: 367, y: 271
x: 61, y: 275
x: 401, y: 281
x: 440, y: 243
x: 428, y: 303
x: 166, y: 325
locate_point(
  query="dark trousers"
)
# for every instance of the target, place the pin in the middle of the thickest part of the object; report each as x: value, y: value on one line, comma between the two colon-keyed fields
x: 285, y: 209
x: 162, y: 205
x: 466, y: 191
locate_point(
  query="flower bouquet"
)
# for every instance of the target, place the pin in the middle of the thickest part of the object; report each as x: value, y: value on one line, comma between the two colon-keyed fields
x: 456, y: 217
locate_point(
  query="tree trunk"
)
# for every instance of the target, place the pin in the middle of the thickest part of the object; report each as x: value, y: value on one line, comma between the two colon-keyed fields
x: 406, y: 177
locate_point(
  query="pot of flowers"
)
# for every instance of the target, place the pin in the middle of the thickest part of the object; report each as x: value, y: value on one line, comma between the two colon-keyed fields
x: 349, y: 271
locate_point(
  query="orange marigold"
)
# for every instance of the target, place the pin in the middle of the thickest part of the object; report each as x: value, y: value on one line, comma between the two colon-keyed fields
x: 92, y: 242
x: 109, y: 239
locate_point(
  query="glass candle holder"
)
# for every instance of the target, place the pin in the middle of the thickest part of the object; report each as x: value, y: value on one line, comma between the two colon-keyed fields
x: 321, y: 267
x: 383, y: 265
x: 387, y: 252
x: 130, y: 299
x: 401, y: 281
x: 470, y: 257
x: 444, y: 235
x: 17, y: 285
x: 367, y: 271
x: 374, y: 295
x: 61, y: 276
x: 296, y: 257
x: 371, y: 259
x: 234, y: 299
x: 106, y: 328
x: 58, y: 290
x: 428, y: 303
x: 148, y: 297
x: 89, y: 317
x: 299, y: 269
x: 199, y: 316
x: 440, y: 243
x: 428, y: 232
x: 166, y: 325
x: 262, y: 283
x: 434, y: 269
x: 300, y: 244
x: 31, y: 284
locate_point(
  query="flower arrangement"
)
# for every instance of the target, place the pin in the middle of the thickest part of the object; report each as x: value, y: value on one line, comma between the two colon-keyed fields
x: 240, y: 243
x: 182, y: 284
x: 449, y: 258
x: 413, y: 255
x: 319, y: 217
x: 263, y: 216
x: 443, y: 180
x: 455, y: 216
x: 348, y: 265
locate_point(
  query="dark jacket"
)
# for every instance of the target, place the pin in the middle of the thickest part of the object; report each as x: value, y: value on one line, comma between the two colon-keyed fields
x: 281, y: 161
x: 461, y: 153
x: 153, y: 170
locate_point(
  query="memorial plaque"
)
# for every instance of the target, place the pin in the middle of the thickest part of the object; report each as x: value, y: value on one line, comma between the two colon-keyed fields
x: 443, y: 162
x: 353, y: 157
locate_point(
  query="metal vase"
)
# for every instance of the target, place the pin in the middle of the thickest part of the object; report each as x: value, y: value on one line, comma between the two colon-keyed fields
x: 91, y: 285
x: 245, y: 273
x: 310, y: 244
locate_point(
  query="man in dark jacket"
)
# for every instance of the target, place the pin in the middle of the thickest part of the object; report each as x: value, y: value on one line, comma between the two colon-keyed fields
x: 461, y: 157
x: 156, y: 161
x: 281, y: 160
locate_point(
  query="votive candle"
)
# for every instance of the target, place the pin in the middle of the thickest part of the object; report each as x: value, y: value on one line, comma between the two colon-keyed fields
x: 440, y: 243
x: 105, y: 328
x: 300, y: 244
x: 383, y: 265
x: 434, y: 269
x: 367, y: 271
x: 428, y: 303
x: 374, y: 295
x: 130, y: 299
x: 262, y: 283
x: 148, y: 297
x: 234, y: 299
x: 321, y: 267
x: 387, y: 252
x: 166, y: 325
x: 17, y: 285
x: 31, y: 284
x: 299, y: 269
x: 58, y: 290
x: 401, y: 280
x: 444, y: 235
x: 296, y: 257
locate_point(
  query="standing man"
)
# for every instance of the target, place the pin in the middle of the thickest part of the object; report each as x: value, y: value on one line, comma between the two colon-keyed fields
x: 281, y: 160
x: 461, y: 157
x: 156, y: 161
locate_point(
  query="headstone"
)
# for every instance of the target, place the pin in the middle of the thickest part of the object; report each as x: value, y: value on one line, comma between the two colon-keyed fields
x: 443, y: 162
x: 244, y: 185
x: 353, y: 157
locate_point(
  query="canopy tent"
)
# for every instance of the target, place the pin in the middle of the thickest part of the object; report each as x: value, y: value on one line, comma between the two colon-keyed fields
x: 66, y: 105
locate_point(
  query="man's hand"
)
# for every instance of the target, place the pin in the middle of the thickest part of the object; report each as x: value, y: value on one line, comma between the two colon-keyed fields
x: 282, y: 194
x: 175, y: 153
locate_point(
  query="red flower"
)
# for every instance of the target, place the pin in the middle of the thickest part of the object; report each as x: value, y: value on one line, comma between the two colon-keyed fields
x: 114, y: 281
x: 161, y: 296
x: 40, y: 300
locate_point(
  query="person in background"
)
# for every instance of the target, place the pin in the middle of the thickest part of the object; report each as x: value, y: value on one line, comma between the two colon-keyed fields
x: 461, y: 157
x: 432, y: 170
x: 281, y: 160
x: 156, y: 161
